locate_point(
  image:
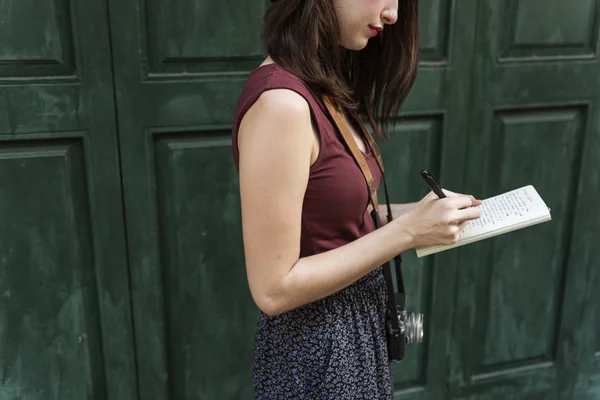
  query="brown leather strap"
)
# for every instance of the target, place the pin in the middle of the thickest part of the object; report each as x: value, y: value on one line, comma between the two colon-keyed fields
x: 375, y: 150
x: 342, y: 125
x: 366, y: 134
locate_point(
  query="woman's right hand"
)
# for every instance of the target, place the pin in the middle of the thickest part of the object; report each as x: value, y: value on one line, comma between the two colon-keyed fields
x: 434, y: 221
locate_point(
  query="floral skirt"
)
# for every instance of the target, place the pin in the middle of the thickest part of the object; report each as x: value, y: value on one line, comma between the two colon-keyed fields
x: 334, y: 348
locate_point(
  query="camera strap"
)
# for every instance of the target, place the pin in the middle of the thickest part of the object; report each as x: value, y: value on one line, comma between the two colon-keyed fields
x: 358, y: 156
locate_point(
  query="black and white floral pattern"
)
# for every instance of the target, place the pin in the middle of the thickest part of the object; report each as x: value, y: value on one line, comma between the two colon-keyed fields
x: 334, y: 348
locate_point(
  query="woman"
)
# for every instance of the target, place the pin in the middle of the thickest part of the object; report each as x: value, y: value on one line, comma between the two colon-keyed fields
x: 312, y: 252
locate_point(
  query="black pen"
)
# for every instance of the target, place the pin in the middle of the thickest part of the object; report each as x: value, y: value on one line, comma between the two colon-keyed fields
x: 433, y: 183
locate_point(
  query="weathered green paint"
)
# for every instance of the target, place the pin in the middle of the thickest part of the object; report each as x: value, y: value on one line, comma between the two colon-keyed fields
x: 507, y: 95
x: 50, y: 321
x: 524, y: 317
x: 209, y: 345
x: 65, y: 323
x: 179, y: 68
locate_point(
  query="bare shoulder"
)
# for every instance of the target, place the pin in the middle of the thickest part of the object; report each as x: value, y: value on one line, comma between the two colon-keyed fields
x: 277, y: 112
x: 285, y: 98
x: 281, y: 104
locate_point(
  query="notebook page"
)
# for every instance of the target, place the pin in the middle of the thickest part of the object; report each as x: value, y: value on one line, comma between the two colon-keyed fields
x: 510, y: 208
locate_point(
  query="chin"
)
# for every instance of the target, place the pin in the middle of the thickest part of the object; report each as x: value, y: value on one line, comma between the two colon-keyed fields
x: 356, y: 45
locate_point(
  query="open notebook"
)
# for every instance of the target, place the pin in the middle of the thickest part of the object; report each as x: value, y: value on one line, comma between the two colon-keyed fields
x: 500, y: 214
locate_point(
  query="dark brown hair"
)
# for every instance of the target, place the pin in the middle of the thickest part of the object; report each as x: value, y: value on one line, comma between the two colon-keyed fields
x: 302, y: 36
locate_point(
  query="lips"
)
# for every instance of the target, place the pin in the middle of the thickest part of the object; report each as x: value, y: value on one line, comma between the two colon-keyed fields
x: 375, y: 29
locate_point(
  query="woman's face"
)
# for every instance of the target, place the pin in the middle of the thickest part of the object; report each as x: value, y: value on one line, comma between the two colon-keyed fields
x: 361, y: 20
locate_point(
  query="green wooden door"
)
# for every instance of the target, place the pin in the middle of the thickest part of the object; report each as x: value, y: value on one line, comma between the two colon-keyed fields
x: 179, y: 69
x: 507, y: 95
x: 65, y: 324
x: 526, y: 322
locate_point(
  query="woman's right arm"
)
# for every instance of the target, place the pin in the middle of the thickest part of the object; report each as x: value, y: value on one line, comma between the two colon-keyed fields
x: 276, y: 142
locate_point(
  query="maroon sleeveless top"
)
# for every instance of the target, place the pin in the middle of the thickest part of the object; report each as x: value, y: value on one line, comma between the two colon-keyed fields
x: 334, y: 211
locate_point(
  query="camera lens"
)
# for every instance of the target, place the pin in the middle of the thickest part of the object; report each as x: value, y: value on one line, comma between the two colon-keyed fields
x: 414, y: 328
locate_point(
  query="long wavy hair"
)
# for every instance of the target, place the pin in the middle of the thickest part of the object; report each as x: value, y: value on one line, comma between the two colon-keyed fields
x: 302, y: 36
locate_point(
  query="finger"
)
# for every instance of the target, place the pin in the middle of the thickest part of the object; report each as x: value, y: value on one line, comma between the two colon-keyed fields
x: 462, y: 225
x: 449, y: 193
x: 467, y: 214
x: 474, y: 200
x: 431, y: 196
x: 459, y: 202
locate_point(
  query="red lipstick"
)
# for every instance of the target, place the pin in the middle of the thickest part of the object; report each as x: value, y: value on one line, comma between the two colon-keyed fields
x: 375, y: 29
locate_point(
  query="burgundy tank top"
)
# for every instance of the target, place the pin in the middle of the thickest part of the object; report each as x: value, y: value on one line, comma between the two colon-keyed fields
x: 334, y: 210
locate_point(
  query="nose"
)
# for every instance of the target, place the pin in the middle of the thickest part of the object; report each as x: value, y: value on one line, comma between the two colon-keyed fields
x: 389, y: 16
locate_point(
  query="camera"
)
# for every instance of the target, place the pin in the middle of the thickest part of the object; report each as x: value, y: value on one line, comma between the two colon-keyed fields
x: 410, y: 329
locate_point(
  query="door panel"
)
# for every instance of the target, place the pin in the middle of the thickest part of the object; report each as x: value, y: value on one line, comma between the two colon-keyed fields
x: 49, y: 314
x: 564, y: 31
x: 65, y: 325
x: 534, y: 119
x: 519, y: 325
x: 435, y: 21
x: 47, y: 50
x: 207, y: 333
x: 185, y: 37
x: 180, y: 67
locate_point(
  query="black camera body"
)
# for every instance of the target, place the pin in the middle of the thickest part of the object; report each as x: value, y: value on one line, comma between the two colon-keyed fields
x: 410, y: 329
